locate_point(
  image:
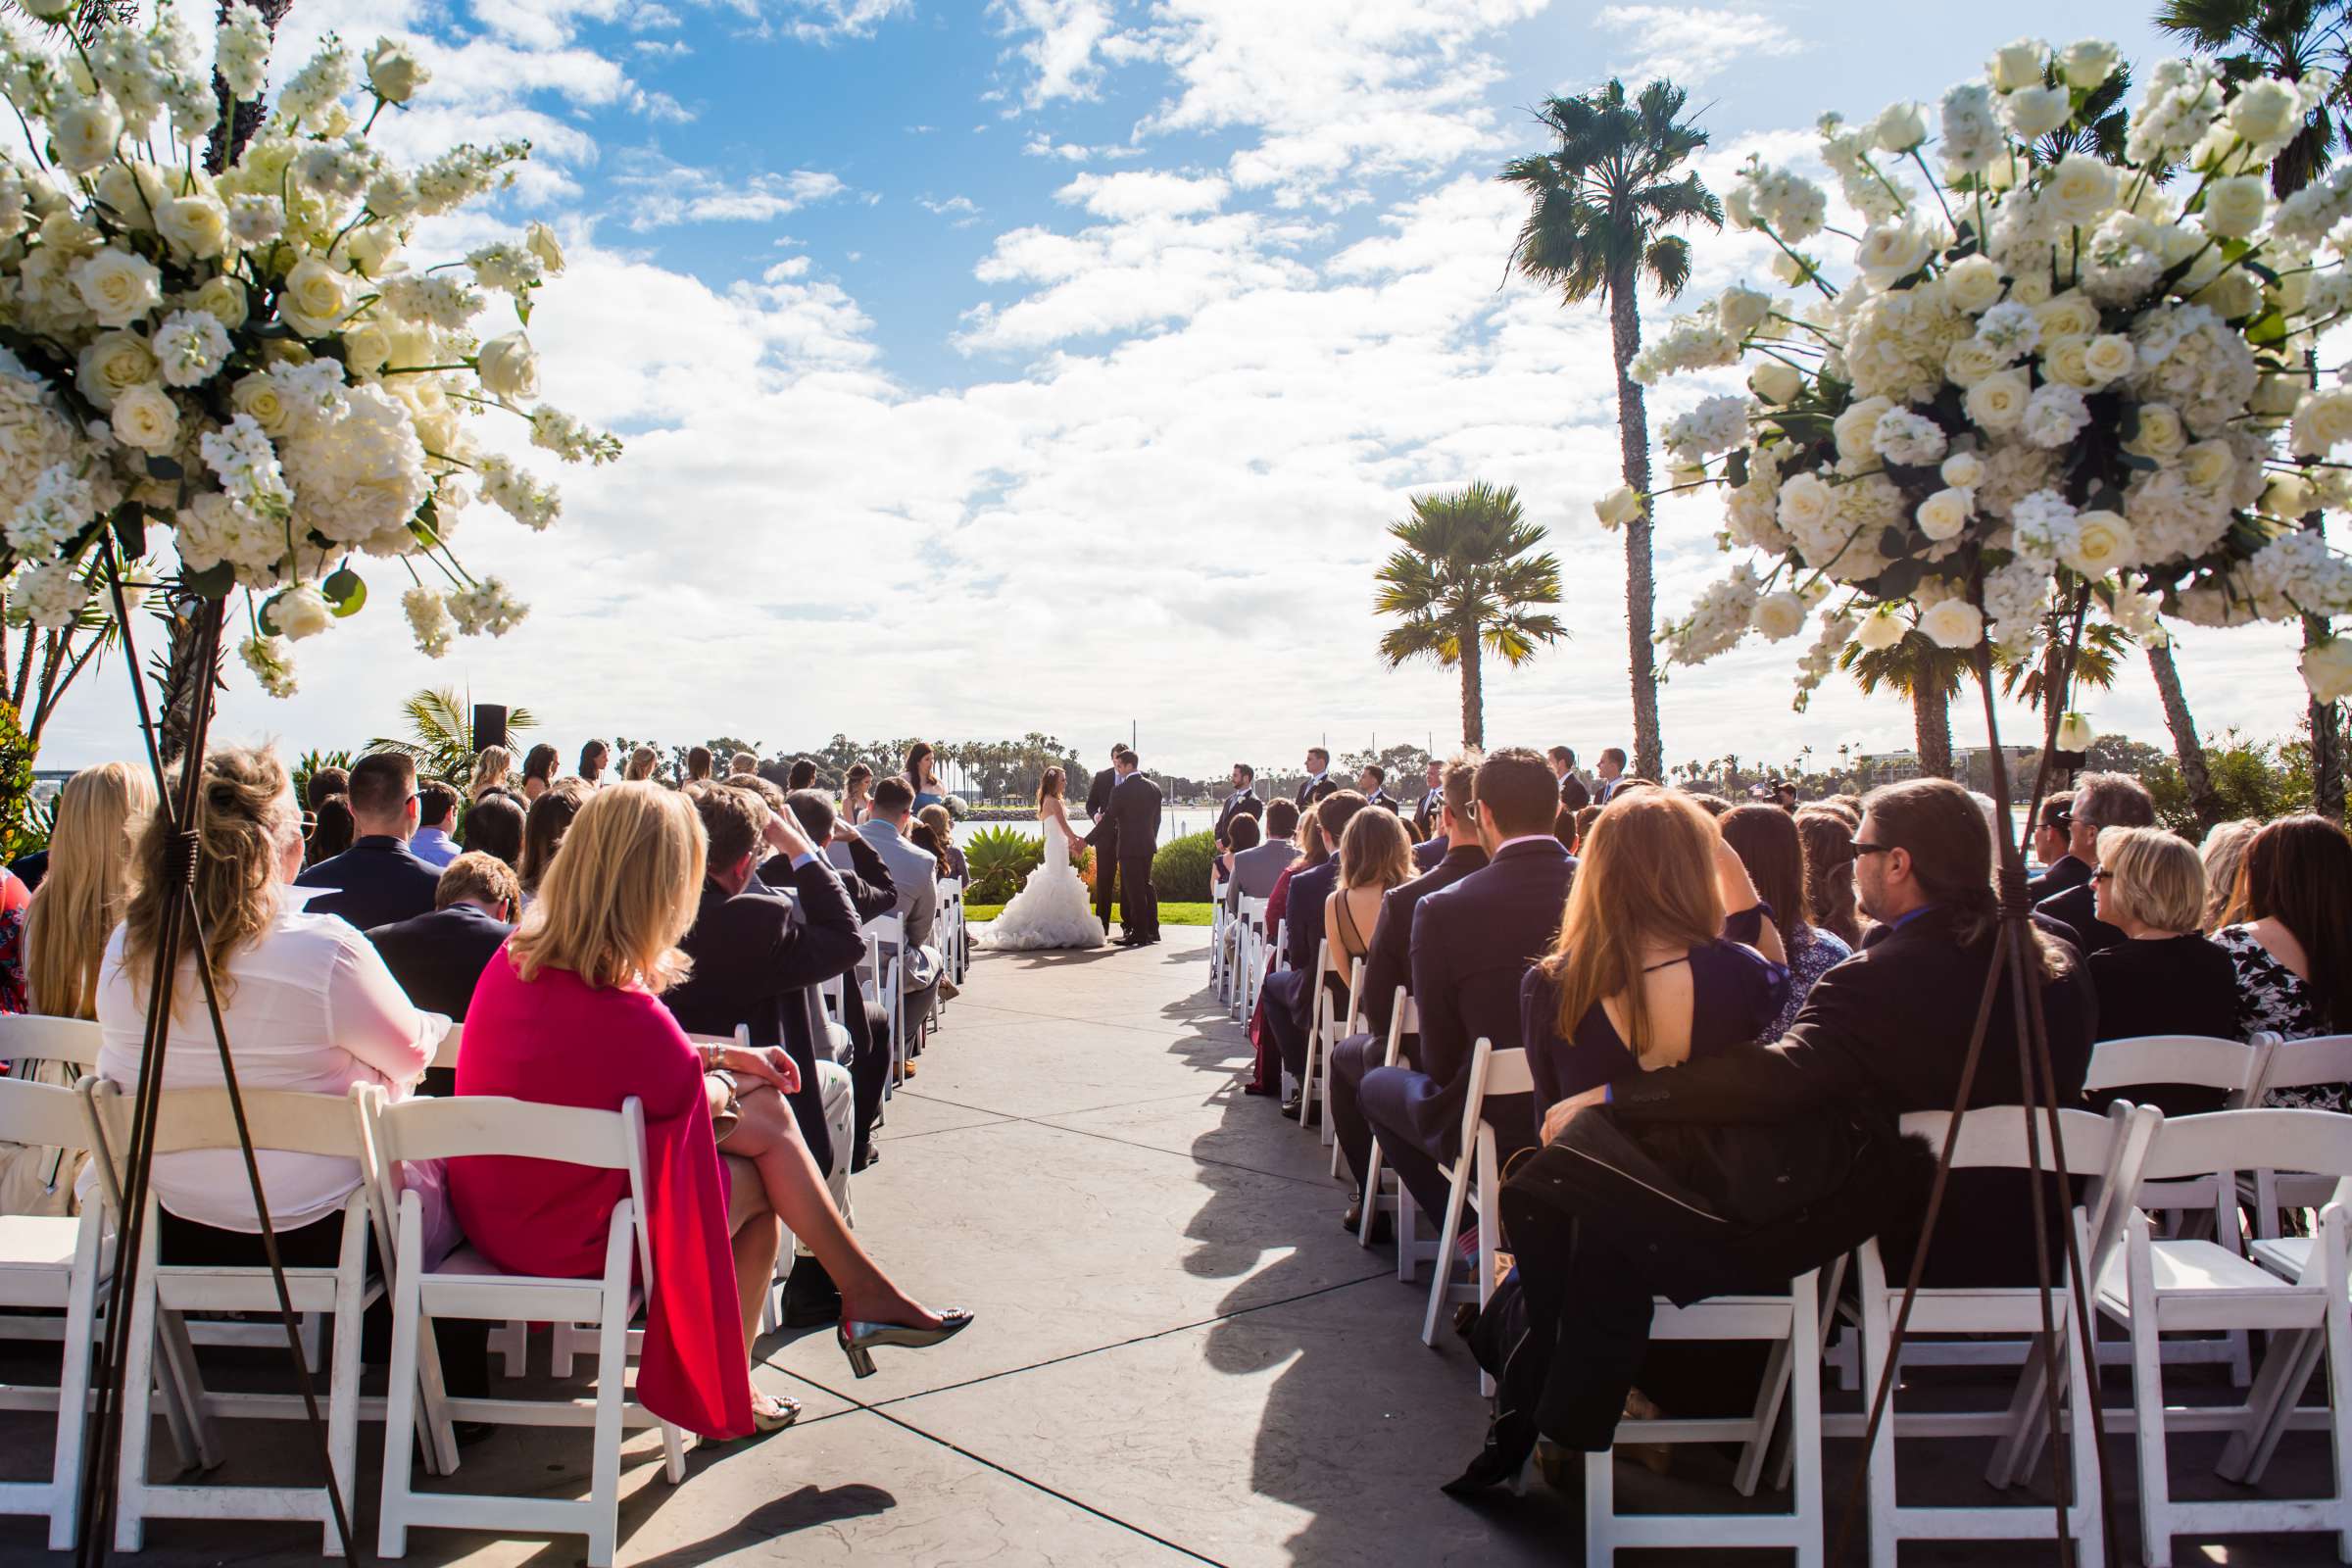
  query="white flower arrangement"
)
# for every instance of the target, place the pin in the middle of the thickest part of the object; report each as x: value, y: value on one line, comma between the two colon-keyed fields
x: 253, y: 361
x: 2048, y: 376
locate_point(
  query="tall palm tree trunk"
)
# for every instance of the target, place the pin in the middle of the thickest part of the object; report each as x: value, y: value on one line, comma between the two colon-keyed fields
x: 1474, y: 708
x: 1932, y: 732
x: 2186, y: 748
x: 1640, y: 608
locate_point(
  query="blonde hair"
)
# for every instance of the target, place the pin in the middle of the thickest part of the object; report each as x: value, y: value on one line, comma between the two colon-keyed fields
x: 1646, y: 875
x: 620, y: 894
x: 2223, y: 852
x: 490, y: 771
x: 245, y: 818
x: 1374, y: 852
x: 101, y: 817
x: 641, y: 764
x: 2154, y: 876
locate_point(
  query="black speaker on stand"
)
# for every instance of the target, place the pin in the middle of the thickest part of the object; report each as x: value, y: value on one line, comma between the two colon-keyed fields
x: 489, y: 726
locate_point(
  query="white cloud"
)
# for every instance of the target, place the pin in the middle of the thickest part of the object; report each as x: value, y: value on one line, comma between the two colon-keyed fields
x: 658, y: 193
x: 962, y: 209
x: 1061, y: 55
x: 1689, y: 43
x: 828, y: 20
x: 1041, y: 145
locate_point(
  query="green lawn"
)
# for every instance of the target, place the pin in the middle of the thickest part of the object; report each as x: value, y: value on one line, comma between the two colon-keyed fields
x: 1169, y: 913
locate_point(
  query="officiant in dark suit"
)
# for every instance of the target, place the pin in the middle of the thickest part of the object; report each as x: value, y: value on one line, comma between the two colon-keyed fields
x: 1106, y: 847
x: 1129, y: 833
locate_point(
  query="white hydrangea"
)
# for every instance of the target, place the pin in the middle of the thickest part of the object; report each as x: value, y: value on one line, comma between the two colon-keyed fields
x: 213, y: 530
x: 1688, y: 343
x: 429, y: 619
x: 52, y: 595
x: 442, y: 302
x: 2054, y: 414
x: 515, y: 491
x: 59, y: 504
x: 241, y: 458
x: 358, y: 476
x: 241, y: 51
x: 1717, y: 425
x: 190, y: 347
x: 486, y: 607
x: 1787, y: 203
x: 34, y: 436
x: 1908, y: 438
x: 2188, y: 357
x: 554, y: 430
x: 2296, y: 573
x: 505, y: 267
x: 2044, y: 524
x: 272, y: 660
x: 2011, y: 330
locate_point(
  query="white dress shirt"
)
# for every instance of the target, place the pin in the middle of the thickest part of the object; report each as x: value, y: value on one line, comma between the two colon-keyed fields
x: 310, y: 1006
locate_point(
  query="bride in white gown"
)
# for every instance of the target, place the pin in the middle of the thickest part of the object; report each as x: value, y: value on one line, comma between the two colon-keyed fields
x: 1052, y: 910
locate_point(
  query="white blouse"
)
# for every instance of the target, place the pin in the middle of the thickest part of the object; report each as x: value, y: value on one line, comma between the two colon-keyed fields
x: 309, y: 1006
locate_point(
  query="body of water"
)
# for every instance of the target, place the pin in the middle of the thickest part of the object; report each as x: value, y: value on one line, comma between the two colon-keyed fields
x: 1174, y: 823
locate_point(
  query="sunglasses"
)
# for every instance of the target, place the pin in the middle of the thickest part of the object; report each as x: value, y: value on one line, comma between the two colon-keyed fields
x: 1860, y: 848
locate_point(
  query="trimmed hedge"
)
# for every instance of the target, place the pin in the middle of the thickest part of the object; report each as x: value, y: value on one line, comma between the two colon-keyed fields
x: 1180, y: 870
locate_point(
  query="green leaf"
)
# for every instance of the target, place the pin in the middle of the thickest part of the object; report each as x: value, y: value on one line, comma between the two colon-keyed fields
x: 2268, y: 328
x: 1734, y: 467
x: 213, y: 582
x: 130, y: 529
x: 345, y: 590
x: 522, y: 308
x: 160, y: 466
x: 268, y: 616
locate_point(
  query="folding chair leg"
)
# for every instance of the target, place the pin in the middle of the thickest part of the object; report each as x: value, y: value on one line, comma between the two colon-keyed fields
x: 192, y: 1435
x: 1879, y: 1462
x: 1600, y: 1509
x: 1442, y: 1271
x: 400, y: 1422
x: 1806, y: 1307
x: 1363, y: 1232
x: 2286, y: 1373
x: 1766, y: 1422
x: 2020, y: 1449
x: 1408, y: 1231
x: 72, y: 1393
x: 138, y: 1380
x: 2147, y: 1404
x: 2083, y: 1443
x: 2339, y: 1402
x: 673, y: 1454
x: 611, y: 1380
x: 343, y: 1396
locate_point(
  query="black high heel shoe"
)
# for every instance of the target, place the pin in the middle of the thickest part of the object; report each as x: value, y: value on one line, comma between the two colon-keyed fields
x: 860, y: 1340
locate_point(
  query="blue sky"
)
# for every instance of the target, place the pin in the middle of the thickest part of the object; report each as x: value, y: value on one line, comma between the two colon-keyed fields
x: 1048, y: 363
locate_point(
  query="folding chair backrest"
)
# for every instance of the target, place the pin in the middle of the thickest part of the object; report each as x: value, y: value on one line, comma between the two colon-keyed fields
x: 42, y: 1116
x: 2317, y: 1142
x: 1356, y: 993
x: 2106, y: 1150
x: 445, y: 1055
x: 1493, y: 1074
x: 2200, y: 1060
x: 1254, y: 911
x: 1407, y: 1013
x: 202, y: 1119
x: 2301, y: 1064
x: 31, y: 1036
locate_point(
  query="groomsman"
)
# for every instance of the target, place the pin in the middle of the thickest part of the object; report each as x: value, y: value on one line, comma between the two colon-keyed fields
x: 1242, y: 802
x: 1369, y: 783
x: 1572, y: 794
x: 1318, y: 769
x: 1433, y: 802
x: 1609, y: 772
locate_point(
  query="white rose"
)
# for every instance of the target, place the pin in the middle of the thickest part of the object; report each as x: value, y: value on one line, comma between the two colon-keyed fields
x: 118, y: 287
x: 2208, y: 465
x: 508, y: 367
x: 1998, y: 402
x: 84, y: 134
x: 2068, y: 360
x: 1805, y: 502
x: 2328, y: 669
x: 313, y: 301
x: 2232, y: 296
x: 1618, y: 507
x: 2068, y: 315
x: 1853, y: 429
x: 1973, y: 284
x: 366, y: 347
x: 2108, y: 357
x: 1900, y: 127
x: 2017, y: 65
x: 1944, y: 514
x: 1880, y: 630
x: 2088, y: 63
x: 540, y: 241
x: 1776, y: 383
x: 2031, y: 289
x: 1778, y: 615
x: 1963, y: 470
x: 195, y: 225
x: 2033, y: 113
x: 50, y: 9
x: 2264, y: 110
x: 2160, y: 432
x: 2287, y: 495
x: 301, y: 613
x: 223, y: 299
x: 265, y: 400
x: 1970, y: 361
x: 146, y: 418
x: 393, y: 72
x: 1892, y: 252
x: 2080, y: 191
x: 1740, y: 311
x: 1953, y: 623
x: 2075, y: 733
x: 110, y: 364
x: 2234, y: 207
x: 2102, y: 543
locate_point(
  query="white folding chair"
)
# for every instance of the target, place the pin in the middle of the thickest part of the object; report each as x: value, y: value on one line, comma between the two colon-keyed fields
x: 51, y: 1263
x: 1792, y: 1322
x: 1411, y: 1250
x: 1338, y: 1025
x: 2108, y: 1149
x: 35, y: 1037
x: 1251, y: 957
x: 885, y: 952
x: 1220, y: 927
x: 187, y: 1120
x: 467, y: 1284
x: 1495, y: 1073
x: 2152, y: 1287
x: 2294, y: 1064
x: 1317, y: 1005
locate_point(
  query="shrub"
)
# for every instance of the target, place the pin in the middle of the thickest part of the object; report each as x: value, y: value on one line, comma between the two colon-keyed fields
x: 998, y: 860
x: 1180, y: 870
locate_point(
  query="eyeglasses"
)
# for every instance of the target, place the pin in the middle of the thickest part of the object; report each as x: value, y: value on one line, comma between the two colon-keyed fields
x: 1861, y: 848
x: 2102, y: 874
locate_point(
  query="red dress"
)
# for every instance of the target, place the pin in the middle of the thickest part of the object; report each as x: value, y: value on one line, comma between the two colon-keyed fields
x: 561, y: 1042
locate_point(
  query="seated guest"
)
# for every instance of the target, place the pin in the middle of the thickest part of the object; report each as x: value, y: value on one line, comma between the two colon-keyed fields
x: 539, y: 767
x: 1924, y: 854
x: 1240, y: 802
x: 872, y: 893
x: 1666, y: 954
x: 29, y: 869
x: 326, y: 782
x: 494, y: 827
x: 595, y: 756
x: 438, y: 956
x: 1431, y: 804
x: 1289, y: 995
x: 331, y: 831
x: 943, y: 834
x: 377, y: 880
x: 1239, y: 840
x: 1586, y: 817
x: 698, y: 763
x: 436, y: 809
x: 552, y: 816
x: 1255, y: 870
x: 14, y: 899
x: 1572, y: 794
x: 1371, y: 782
x: 802, y: 775
x: 490, y: 771
x: 642, y: 762
x: 758, y: 958
x: 2224, y: 851
x: 1830, y: 899
x: 742, y: 762
x: 2053, y: 838
x: 2102, y: 800
x: 2168, y: 978
x: 857, y: 793
x: 2290, y: 936
x: 1769, y: 845
x: 572, y: 1015
x: 1375, y: 857
x: 1389, y: 965
x: 917, y: 875
x: 1472, y: 944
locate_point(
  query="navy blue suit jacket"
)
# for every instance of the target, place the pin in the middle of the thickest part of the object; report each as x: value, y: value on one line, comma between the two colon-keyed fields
x: 1389, y: 963
x: 376, y: 881
x: 1472, y: 944
x: 437, y: 957
x: 1309, y: 892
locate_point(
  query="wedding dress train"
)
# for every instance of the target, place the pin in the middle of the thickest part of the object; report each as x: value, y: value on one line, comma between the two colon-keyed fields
x: 1052, y: 909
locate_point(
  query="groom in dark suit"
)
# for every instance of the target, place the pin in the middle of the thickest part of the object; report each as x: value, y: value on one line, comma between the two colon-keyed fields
x: 1128, y: 833
x: 1106, y: 847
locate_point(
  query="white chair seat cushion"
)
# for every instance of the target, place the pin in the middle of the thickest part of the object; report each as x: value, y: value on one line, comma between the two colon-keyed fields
x: 37, y: 1241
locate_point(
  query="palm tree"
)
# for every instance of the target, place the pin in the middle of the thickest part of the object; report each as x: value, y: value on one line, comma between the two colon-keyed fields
x: 2290, y: 38
x: 1930, y: 676
x: 1462, y: 584
x: 1602, y: 200
x: 2096, y: 662
x: 443, y: 733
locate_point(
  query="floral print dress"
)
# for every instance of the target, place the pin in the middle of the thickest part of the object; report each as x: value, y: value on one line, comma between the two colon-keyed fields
x: 2273, y: 997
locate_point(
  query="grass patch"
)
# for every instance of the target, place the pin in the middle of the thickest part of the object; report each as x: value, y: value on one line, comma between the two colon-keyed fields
x: 1169, y: 913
